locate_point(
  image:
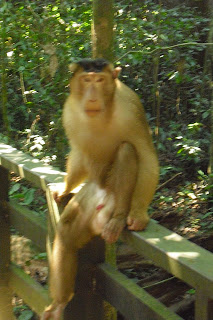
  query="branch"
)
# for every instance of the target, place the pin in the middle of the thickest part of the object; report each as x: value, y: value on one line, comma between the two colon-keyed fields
x: 159, y: 282
x: 166, y: 182
x: 23, y: 87
x: 164, y: 48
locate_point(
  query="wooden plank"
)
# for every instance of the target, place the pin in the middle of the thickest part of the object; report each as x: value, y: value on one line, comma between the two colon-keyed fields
x: 28, y: 224
x: 28, y: 167
x: 182, y: 258
x: 33, y: 294
x: 6, y: 311
x: 128, y: 298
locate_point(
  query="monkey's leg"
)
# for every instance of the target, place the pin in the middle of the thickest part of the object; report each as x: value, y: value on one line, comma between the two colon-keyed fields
x: 147, y: 180
x: 121, y: 180
x: 62, y: 278
x: 76, y: 174
x: 63, y: 265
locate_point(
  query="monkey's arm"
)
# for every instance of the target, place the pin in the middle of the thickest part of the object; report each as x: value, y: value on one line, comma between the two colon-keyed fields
x: 76, y: 174
x: 147, y: 179
x: 121, y: 181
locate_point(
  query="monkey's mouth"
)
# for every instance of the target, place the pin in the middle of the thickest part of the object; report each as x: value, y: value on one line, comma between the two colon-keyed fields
x: 92, y: 112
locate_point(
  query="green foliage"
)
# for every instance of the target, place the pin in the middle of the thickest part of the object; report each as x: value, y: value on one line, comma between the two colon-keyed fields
x: 25, y: 195
x: 29, y: 196
x: 40, y: 256
x: 175, y: 75
x: 23, y: 312
x: 42, y: 37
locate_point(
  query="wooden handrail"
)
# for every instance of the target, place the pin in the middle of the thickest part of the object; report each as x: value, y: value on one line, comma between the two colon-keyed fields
x: 180, y: 257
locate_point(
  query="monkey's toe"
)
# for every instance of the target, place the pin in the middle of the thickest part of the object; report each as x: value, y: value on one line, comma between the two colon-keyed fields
x: 113, y: 229
x: 138, y: 223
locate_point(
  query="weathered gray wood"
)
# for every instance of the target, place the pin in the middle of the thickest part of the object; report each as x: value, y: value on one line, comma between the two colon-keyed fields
x: 127, y: 297
x: 28, y: 289
x: 203, y: 306
x: 6, y: 311
x: 182, y: 258
x: 28, y: 167
x: 28, y: 224
x: 178, y: 256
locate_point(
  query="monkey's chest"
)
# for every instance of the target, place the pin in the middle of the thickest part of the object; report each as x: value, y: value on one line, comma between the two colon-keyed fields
x: 98, y: 149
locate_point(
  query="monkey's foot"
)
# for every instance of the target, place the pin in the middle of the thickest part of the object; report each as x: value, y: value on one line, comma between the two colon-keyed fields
x: 53, y: 312
x: 137, y: 222
x: 113, y: 229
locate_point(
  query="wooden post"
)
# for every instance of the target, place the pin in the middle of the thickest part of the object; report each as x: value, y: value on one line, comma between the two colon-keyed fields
x: 203, y: 306
x: 87, y: 304
x: 6, y: 311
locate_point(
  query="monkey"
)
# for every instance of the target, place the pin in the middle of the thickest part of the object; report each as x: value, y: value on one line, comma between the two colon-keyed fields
x: 99, y: 115
x: 86, y: 215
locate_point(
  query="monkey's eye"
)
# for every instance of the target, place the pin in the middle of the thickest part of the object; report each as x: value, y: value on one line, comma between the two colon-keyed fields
x: 87, y: 79
x: 100, y: 80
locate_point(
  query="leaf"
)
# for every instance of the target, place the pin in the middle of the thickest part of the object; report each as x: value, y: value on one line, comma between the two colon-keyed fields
x: 207, y: 215
x: 26, y: 315
x: 191, y: 291
x: 41, y: 256
x: 29, y: 197
x: 22, y: 68
x: 14, y: 188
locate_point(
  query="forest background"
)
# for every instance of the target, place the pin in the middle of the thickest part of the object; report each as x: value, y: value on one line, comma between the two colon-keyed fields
x: 161, y: 47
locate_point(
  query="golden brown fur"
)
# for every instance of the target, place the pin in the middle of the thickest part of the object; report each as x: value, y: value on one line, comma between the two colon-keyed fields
x: 99, y: 115
x: 89, y: 213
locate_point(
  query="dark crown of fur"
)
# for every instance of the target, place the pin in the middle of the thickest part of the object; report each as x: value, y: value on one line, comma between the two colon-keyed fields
x: 93, y: 65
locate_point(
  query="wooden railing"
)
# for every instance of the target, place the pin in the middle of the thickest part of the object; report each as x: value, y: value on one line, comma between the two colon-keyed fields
x: 97, y: 281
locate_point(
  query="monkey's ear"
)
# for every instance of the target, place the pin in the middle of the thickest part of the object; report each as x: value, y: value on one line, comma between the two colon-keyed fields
x: 73, y: 67
x: 116, y: 72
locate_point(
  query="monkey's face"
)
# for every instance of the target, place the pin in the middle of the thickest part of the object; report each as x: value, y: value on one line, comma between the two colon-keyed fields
x: 93, y: 84
x: 95, y: 91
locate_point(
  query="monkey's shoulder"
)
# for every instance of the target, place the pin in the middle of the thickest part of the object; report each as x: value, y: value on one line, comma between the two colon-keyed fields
x: 128, y: 97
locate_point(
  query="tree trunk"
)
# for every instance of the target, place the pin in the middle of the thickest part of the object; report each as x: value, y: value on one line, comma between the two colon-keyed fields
x: 209, y: 71
x: 4, y: 73
x: 102, y: 29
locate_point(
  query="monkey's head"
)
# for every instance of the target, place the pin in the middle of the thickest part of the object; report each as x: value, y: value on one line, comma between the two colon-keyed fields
x: 93, y: 83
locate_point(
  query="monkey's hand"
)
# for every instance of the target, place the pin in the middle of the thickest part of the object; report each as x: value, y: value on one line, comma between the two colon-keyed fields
x: 53, y: 312
x: 113, y: 229
x: 58, y: 191
x: 137, y: 221
x: 59, y: 196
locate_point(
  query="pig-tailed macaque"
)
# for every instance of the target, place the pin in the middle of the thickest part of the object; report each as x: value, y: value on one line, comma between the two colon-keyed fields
x: 86, y: 216
x: 99, y: 115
